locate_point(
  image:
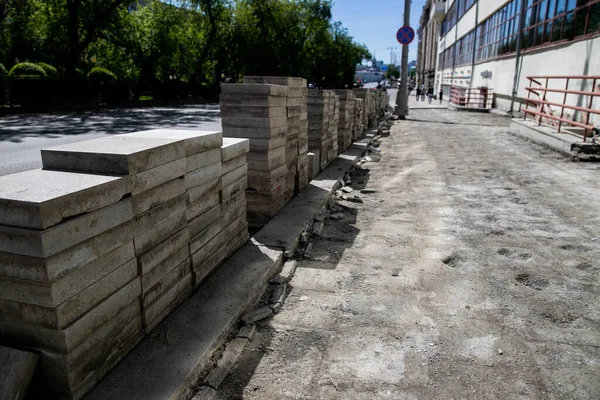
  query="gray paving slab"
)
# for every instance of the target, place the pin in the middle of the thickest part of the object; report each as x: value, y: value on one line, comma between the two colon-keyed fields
x: 242, y: 100
x: 254, y: 89
x: 45, y: 243
x: 276, y: 80
x: 195, y: 141
x: 200, y: 160
x: 234, y: 147
x: 252, y: 111
x: 154, y: 177
x: 119, y: 155
x: 54, y: 267
x: 168, y: 369
x: 39, y: 199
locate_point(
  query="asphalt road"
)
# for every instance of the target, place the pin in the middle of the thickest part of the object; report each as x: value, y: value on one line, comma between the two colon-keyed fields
x: 22, y: 136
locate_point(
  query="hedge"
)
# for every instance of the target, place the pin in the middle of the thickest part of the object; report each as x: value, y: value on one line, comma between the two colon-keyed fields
x: 49, y: 70
x: 26, y: 69
x: 100, y: 76
x: 3, y: 72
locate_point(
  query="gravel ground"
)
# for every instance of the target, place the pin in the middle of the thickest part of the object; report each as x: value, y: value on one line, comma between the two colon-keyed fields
x: 471, y: 272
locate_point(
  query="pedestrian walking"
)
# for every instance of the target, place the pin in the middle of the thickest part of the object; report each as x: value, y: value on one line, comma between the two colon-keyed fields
x: 441, y: 95
x: 423, y: 93
x: 418, y: 93
x: 430, y: 94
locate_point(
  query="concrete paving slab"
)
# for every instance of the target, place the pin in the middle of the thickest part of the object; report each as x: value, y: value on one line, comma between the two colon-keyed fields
x: 242, y: 99
x: 243, y: 129
x: 199, y: 192
x: 235, y: 175
x: 195, y: 141
x: 253, y: 89
x: 204, y: 220
x: 154, y: 197
x: 54, y: 267
x: 270, y: 124
x: 234, y: 147
x: 544, y: 135
x: 119, y: 155
x: 267, y: 144
x: 232, y: 164
x: 203, y: 175
x: 157, y: 176
x: 55, y: 239
x: 200, y: 160
x: 160, y: 252
x: 252, y: 111
x: 53, y: 294
x: 17, y: 370
x: 39, y: 199
x: 153, y: 277
x: 67, y: 339
x: 167, y: 364
x: 276, y: 80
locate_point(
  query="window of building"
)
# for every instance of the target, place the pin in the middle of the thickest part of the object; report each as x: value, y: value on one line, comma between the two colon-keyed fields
x: 549, y: 21
x: 455, y: 13
x: 498, y: 34
x: 465, y: 49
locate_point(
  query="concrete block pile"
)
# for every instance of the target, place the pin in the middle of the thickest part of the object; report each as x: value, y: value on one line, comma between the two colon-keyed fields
x: 156, y: 167
x: 346, y: 119
x: 233, y: 197
x: 259, y: 112
x: 296, y: 137
x: 319, y: 141
x: 359, y: 127
x: 95, y: 249
x: 334, y: 122
x: 69, y: 281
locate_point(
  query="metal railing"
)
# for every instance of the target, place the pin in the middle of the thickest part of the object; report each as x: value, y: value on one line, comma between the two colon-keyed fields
x: 477, y: 98
x: 545, y: 112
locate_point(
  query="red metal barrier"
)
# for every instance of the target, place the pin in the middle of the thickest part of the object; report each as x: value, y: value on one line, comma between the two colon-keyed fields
x: 479, y: 98
x: 544, y: 112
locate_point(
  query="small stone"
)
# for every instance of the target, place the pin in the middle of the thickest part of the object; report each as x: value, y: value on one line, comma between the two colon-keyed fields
x: 347, y: 189
x: 308, y: 251
x: 338, y: 216
x: 318, y: 228
x: 275, y: 307
x: 431, y: 344
x: 338, y: 193
x: 354, y: 199
x: 303, y: 298
x: 500, y: 351
x: 368, y: 191
x: 278, y: 295
x: 205, y: 393
x: 247, y: 332
x: 319, y: 218
x: 257, y: 315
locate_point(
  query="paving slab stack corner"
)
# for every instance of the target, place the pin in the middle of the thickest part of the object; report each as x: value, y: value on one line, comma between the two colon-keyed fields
x: 259, y: 112
x: 296, y: 137
x: 334, y: 123
x: 69, y: 281
x: 346, y: 119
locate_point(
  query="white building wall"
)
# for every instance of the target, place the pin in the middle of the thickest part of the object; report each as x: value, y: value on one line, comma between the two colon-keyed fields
x: 576, y: 58
x: 488, y: 7
x: 467, y: 22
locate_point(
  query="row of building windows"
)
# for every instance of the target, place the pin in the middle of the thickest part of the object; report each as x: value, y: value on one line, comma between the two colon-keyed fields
x: 455, y: 13
x: 546, y: 21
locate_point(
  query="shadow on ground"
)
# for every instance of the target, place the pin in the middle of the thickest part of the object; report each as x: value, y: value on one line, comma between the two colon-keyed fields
x: 113, y: 121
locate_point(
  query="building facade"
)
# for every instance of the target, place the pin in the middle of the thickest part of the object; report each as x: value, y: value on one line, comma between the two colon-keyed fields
x: 429, y: 34
x: 497, y: 44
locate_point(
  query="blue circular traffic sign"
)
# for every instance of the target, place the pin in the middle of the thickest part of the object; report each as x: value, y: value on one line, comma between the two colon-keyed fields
x: 405, y: 35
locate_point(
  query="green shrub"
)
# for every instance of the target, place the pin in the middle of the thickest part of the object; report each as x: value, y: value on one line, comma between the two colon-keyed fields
x: 101, y: 76
x: 49, y: 70
x: 26, y: 69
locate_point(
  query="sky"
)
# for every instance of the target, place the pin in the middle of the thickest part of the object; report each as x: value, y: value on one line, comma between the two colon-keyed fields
x: 375, y: 23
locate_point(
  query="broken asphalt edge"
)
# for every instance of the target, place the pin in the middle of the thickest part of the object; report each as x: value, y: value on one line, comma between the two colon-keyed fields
x: 168, y: 363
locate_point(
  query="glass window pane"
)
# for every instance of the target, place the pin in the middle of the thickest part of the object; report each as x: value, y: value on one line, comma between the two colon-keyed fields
x: 551, y: 8
x: 594, y: 21
x: 580, y: 18
x: 547, y: 32
x: 557, y: 27
x: 570, y: 5
x: 560, y: 7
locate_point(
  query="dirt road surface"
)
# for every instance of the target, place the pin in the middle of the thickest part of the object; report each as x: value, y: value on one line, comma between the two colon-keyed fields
x: 471, y: 273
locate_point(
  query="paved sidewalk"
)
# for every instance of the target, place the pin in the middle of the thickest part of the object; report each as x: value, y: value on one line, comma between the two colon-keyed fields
x: 470, y: 272
x: 413, y: 104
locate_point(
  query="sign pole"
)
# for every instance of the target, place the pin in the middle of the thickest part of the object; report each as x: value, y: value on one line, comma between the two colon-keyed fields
x: 402, y: 96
